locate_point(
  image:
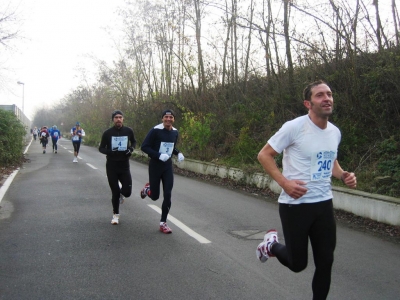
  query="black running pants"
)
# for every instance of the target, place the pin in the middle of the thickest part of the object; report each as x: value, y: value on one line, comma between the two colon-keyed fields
x: 314, y: 221
x: 54, y: 141
x: 161, y: 171
x: 119, y: 171
x: 76, y: 145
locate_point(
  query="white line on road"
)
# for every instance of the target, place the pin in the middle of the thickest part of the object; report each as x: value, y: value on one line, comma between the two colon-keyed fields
x: 7, y: 184
x: 182, y: 226
x: 93, y: 167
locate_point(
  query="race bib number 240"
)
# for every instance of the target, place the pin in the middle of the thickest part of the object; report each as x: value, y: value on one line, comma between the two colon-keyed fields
x: 322, y: 165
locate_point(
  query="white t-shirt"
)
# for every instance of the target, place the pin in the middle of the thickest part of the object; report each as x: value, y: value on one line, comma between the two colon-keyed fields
x: 309, y: 153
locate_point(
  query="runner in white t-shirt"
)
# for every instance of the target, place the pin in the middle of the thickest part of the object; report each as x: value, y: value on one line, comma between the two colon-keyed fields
x: 309, y: 144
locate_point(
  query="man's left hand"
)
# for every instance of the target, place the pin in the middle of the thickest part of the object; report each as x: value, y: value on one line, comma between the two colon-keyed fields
x: 180, y: 157
x: 128, y: 152
x: 349, y: 179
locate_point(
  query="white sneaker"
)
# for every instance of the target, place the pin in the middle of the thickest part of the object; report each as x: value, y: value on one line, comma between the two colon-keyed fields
x: 75, y: 160
x: 115, y: 219
x: 263, y: 251
x: 121, y: 199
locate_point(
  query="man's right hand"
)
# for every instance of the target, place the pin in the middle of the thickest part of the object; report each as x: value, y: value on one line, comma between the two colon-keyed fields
x: 164, y: 157
x: 112, y: 151
x: 295, y: 188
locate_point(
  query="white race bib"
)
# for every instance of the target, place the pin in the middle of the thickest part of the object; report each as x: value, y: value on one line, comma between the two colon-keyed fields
x: 322, y: 165
x: 166, y: 148
x: 75, y: 138
x: 119, y: 143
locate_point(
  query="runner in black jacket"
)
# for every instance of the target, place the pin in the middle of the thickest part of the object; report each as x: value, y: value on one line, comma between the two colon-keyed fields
x: 159, y: 145
x: 118, y: 143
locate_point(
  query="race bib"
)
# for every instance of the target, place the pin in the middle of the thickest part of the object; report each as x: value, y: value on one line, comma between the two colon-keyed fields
x: 75, y: 138
x: 166, y: 148
x: 55, y: 134
x: 321, y: 165
x: 119, y: 143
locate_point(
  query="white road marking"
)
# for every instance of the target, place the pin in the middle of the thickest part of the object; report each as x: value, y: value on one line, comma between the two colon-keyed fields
x: 182, y: 226
x: 7, y: 184
x: 9, y: 180
x: 93, y: 167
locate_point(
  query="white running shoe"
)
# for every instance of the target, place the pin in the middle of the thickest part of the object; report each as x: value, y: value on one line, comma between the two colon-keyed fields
x: 75, y: 160
x: 263, y: 251
x: 115, y: 219
x: 164, y: 228
x: 121, y: 199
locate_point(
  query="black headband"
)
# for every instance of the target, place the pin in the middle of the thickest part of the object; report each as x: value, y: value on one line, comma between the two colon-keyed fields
x: 167, y: 112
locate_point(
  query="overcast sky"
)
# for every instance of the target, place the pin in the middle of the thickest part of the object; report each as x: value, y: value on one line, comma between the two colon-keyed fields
x: 57, y: 37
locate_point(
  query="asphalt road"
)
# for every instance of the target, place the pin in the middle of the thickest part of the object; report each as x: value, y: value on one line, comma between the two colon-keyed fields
x: 57, y: 242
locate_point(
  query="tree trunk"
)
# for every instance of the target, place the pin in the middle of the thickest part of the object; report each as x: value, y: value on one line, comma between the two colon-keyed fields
x: 202, y: 76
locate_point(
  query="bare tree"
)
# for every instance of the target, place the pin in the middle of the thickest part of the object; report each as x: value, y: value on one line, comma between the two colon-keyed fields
x: 286, y: 14
x: 197, y: 20
x: 8, y: 23
x: 396, y: 22
x: 9, y: 31
x: 246, y: 68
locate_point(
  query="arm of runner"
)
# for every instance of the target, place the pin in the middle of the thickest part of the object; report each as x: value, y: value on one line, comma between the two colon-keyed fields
x: 146, y: 146
x: 348, y: 178
x: 294, y: 188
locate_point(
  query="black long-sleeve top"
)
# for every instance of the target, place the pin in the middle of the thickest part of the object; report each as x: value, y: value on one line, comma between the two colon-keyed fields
x: 115, y: 141
x: 160, y: 140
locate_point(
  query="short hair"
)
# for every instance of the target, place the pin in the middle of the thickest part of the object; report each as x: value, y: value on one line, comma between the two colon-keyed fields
x: 307, y: 91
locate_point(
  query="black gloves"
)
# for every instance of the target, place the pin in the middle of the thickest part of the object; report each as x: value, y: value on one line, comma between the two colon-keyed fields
x: 114, y: 151
x: 128, y: 152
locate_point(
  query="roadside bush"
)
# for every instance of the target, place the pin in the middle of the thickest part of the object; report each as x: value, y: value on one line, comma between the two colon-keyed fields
x: 12, y: 133
x: 389, y: 165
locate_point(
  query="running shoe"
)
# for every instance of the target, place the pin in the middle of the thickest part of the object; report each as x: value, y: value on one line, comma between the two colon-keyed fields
x: 263, y: 251
x: 115, y: 219
x: 55, y: 151
x: 44, y: 151
x: 75, y: 160
x: 164, y: 228
x: 144, y: 191
x: 121, y: 199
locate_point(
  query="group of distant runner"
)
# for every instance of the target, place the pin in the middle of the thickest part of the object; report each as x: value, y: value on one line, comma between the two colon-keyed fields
x: 44, y: 134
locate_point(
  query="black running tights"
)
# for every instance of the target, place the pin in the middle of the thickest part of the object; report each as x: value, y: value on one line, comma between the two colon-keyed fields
x: 314, y: 221
x: 54, y: 141
x: 119, y: 171
x: 161, y: 171
x: 76, y: 145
